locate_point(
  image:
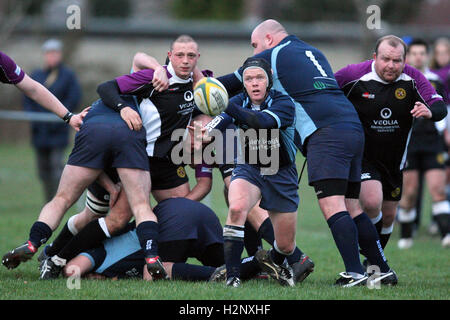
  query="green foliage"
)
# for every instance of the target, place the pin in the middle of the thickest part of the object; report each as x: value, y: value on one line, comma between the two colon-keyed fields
x: 392, y: 11
x: 208, y: 9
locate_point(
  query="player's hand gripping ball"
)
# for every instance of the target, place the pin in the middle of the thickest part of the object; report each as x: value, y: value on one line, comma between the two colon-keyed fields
x: 210, y: 96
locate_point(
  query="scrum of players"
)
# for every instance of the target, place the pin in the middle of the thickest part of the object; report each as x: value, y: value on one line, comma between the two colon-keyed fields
x: 352, y: 126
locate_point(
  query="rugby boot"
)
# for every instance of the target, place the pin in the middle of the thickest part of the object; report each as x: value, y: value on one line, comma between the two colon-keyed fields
x: 219, y: 275
x: 282, y: 273
x: 347, y: 280
x: 234, y: 282
x: 302, y: 268
x: 20, y: 254
x: 49, y: 270
x: 156, y: 268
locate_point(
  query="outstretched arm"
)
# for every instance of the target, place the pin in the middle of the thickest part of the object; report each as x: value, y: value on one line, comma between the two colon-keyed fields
x: 36, y: 91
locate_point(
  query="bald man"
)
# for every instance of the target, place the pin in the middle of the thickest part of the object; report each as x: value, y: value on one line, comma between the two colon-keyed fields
x: 329, y: 134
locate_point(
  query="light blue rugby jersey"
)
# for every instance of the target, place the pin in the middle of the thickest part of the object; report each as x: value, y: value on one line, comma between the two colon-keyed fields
x: 303, y: 73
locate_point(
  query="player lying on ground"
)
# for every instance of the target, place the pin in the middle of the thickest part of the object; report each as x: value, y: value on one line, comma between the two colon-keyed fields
x: 188, y: 229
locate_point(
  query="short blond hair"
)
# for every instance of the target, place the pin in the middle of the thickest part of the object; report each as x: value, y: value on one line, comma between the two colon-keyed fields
x: 184, y: 38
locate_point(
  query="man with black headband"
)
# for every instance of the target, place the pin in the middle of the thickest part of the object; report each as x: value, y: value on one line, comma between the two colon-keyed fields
x: 265, y: 119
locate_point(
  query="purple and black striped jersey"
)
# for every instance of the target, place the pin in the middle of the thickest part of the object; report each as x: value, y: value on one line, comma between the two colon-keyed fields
x: 161, y: 112
x: 385, y: 108
x: 10, y: 72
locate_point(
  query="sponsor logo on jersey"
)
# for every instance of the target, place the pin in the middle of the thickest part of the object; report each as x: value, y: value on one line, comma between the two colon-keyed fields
x: 365, y: 176
x: 400, y: 93
x: 440, y: 158
x: 396, y: 192
x: 320, y: 85
x: 17, y: 71
x: 385, y: 113
x: 149, y: 244
x: 180, y: 172
x: 188, y: 96
x: 368, y: 95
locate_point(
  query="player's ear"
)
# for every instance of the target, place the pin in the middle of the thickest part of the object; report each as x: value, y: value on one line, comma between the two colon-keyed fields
x: 374, y: 56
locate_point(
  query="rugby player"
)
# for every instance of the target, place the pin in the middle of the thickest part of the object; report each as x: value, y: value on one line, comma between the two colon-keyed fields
x: 328, y: 132
x: 11, y: 73
x: 261, y: 108
x: 258, y: 224
x: 162, y: 113
x: 388, y: 95
x: 188, y: 229
x: 426, y: 155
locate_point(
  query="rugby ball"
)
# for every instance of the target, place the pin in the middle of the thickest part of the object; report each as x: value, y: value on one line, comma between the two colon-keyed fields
x: 210, y: 96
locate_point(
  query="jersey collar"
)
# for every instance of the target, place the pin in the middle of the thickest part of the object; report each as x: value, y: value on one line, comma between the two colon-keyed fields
x: 175, y: 78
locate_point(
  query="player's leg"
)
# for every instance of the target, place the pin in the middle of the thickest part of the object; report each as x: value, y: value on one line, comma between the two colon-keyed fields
x: 332, y: 155
x: 242, y: 196
x: 74, y: 181
x: 407, y: 210
x: 368, y: 239
x: 75, y: 223
x: 441, y: 207
x: 371, y: 197
x: 93, y: 234
x: 136, y: 184
x: 389, y: 209
x: 274, y: 261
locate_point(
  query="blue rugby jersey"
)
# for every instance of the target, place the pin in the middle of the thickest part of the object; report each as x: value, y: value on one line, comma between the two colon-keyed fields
x: 303, y: 73
x: 100, y: 112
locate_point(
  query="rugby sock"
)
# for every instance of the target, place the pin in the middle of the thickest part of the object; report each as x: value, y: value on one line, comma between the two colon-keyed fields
x: 345, y: 236
x: 249, y: 268
x: 89, y: 237
x: 190, y: 272
x: 233, y: 245
x: 147, y: 232
x: 385, y: 235
x: 63, y: 238
x: 40, y: 232
x: 252, y: 242
x: 406, y: 219
x: 378, y: 222
x: 277, y: 255
x: 441, y: 214
x: 369, y: 242
x: 266, y: 232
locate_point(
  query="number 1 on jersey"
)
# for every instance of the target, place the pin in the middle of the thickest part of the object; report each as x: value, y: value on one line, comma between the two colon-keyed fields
x: 311, y: 57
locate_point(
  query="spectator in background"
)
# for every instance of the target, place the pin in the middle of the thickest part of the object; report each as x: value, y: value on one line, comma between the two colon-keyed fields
x: 51, y: 138
x: 440, y: 64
